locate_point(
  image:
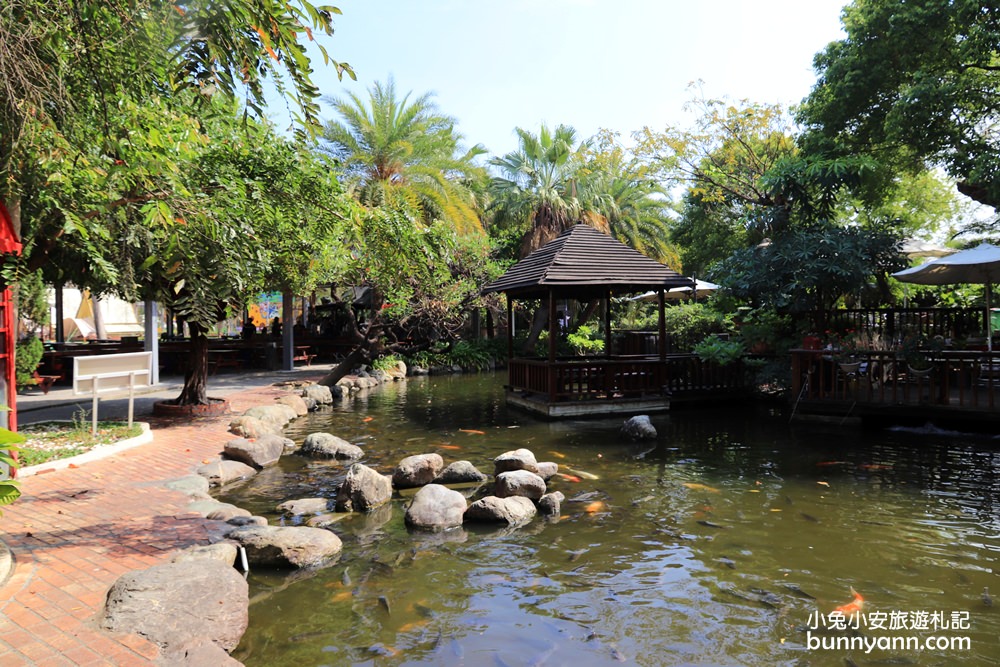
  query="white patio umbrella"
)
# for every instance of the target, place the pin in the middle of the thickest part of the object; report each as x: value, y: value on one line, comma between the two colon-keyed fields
x: 701, y: 288
x: 979, y: 265
x: 918, y: 248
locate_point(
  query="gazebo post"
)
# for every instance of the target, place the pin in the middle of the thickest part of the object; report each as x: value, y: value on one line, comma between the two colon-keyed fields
x: 662, y: 328
x: 510, y: 329
x: 553, y: 331
x: 607, y: 322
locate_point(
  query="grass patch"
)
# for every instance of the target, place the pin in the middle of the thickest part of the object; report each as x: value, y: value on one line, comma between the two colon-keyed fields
x: 51, y: 441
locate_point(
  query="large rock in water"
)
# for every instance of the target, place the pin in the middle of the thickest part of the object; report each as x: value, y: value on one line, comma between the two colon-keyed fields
x: 550, y: 504
x: 286, y: 546
x: 319, y: 393
x: 513, y: 511
x: 251, y: 427
x: 304, y: 506
x: 326, y: 445
x: 460, y: 472
x: 639, y: 428
x: 518, y: 459
x: 295, y: 403
x: 519, y: 483
x: 363, y: 490
x: 417, y: 470
x: 220, y: 473
x: 436, y: 507
x: 180, y: 605
x: 276, y: 414
x: 258, y: 453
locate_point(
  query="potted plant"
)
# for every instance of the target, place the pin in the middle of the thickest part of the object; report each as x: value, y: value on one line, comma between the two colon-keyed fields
x: 917, y: 352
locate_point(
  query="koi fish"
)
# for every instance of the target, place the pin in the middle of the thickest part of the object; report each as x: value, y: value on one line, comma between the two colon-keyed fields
x: 594, y: 507
x: 854, y: 606
x: 451, y: 447
x: 831, y: 463
x: 342, y: 596
x: 367, y: 419
x: 472, y: 431
x: 558, y: 455
x: 413, y: 625
x: 569, y: 478
x: 826, y: 484
x: 694, y: 486
x: 581, y: 474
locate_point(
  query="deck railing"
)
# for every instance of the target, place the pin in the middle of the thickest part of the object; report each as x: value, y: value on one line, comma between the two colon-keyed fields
x: 582, y: 378
x: 954, y: 378
x: 892, y: 324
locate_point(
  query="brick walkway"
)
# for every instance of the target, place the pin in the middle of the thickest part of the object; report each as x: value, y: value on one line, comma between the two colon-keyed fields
x: 73, y: 532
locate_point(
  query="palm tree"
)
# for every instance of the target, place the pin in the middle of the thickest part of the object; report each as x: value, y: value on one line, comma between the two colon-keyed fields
x: 398, y: 152
x: 540, y: 186
x: 635, y: 208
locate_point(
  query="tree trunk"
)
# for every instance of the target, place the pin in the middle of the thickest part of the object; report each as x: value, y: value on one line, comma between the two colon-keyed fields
x: 586, y: 314
x: 195, y: 390
x: 358, y: 356
x: 366, y: 347
x: 538, y: 325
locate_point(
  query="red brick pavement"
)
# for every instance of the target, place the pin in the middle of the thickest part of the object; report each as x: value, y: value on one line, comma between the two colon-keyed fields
x: 73, y: 532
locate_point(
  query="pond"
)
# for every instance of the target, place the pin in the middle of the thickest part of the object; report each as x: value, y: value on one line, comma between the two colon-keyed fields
x: 727, y: 541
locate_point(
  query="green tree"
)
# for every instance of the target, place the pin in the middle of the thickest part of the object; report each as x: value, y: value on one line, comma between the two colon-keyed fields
x: 260, y: 212
x: 913, y: 83
x: 423, y: 281
x: 397, y: 152
x: 107, y: 110
x: 538, y: 188
x: 635, y: 206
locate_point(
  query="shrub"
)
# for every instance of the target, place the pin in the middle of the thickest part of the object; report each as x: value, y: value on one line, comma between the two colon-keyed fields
x: 583, y: 343
x: 690, y: 323
x: 386, y: 362
x: 719, y: 351
x: 27, y: 354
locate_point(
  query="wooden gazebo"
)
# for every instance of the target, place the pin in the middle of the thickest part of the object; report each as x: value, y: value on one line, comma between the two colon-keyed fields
x: 585, y: 264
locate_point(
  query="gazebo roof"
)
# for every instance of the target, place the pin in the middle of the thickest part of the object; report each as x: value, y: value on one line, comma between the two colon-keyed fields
x: 584, y: 262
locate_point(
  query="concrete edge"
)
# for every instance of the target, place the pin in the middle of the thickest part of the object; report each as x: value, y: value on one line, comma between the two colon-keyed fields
x: 99, y: 452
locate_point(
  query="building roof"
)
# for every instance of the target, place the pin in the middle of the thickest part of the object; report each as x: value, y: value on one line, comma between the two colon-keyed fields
x: 584, y: 262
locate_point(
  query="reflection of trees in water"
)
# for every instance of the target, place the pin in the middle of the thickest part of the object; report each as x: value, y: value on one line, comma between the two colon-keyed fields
x: 462, y: 591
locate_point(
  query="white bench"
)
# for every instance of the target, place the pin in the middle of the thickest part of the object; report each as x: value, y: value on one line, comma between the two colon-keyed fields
x: 104, y: 373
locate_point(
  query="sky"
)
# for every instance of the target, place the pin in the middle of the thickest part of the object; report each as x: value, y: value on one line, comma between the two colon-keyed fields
x: 591, y: 64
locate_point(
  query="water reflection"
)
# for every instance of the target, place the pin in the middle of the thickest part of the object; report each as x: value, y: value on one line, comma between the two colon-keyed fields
x: 711, y: 547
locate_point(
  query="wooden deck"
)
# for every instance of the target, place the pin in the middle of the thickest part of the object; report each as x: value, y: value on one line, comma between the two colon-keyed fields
x: 956, y: 387
x: 581, y: 386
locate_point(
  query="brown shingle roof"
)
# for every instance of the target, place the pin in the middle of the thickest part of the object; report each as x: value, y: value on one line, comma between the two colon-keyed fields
x: 583, y: 261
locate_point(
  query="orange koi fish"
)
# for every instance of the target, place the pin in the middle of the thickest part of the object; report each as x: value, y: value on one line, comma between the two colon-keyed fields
x: 570, y: 478
x: 832, y: 463
x: 694, y: 486
x: 594, y: 507
x: 472, y: 431
x: 341, y: 596
x: 558, y: 454
x: 854, y: 606
x: 445, y: 446
x: 367, y: 419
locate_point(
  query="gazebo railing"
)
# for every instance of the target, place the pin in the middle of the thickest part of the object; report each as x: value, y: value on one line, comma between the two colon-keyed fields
x: 587, y: 378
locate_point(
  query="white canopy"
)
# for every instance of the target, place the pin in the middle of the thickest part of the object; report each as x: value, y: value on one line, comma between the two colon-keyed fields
x: 702, y: 288
x: 979, y: 265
